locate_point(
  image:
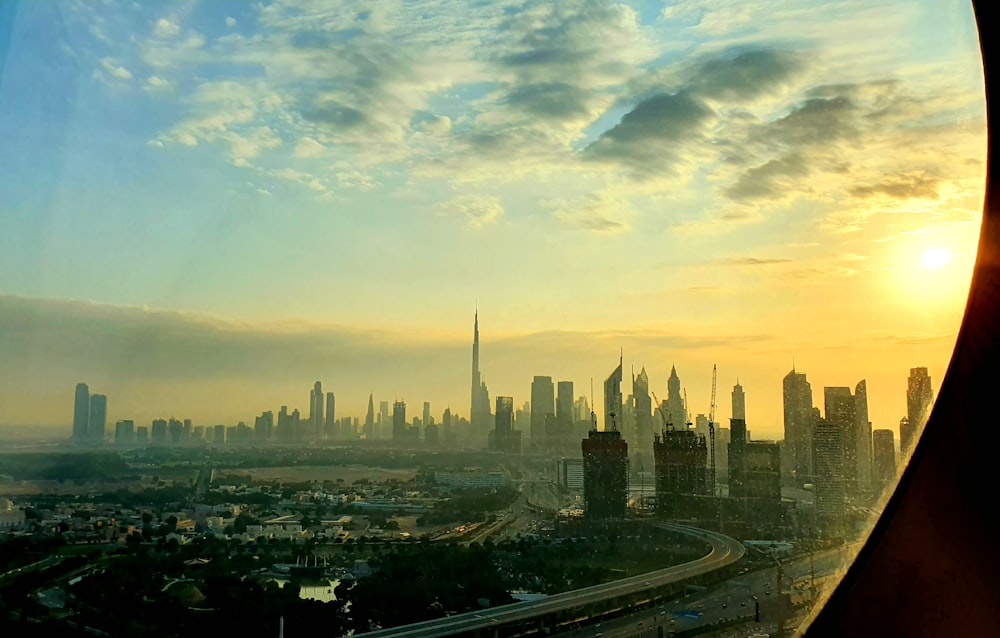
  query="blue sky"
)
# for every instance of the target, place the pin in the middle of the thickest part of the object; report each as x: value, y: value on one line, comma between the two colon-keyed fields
x: 753, y: 180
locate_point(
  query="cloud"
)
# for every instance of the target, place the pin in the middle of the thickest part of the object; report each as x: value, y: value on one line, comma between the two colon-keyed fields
x: 155, y: 82
x: 765, y: 180
x: 910, y: 185
x: 475, y: 210
x: 308, y: 147
x: 230, y: 21
x: 598, y: 212
x: 646, y: 137
x: 112, y: 68
x: 166, y: 29
x: 752, y: 261
x: 743, y: 75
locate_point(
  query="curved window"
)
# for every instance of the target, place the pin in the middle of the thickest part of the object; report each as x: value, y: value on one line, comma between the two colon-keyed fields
x: 710, y: 257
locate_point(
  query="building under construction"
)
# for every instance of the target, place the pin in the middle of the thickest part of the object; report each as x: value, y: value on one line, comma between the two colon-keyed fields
x: 681, y: 458
x: 605, y: 474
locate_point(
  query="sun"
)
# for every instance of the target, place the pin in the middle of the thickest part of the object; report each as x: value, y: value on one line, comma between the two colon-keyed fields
x: 935, y: 258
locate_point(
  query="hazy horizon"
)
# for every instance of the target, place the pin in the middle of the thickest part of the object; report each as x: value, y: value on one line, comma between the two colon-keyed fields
x: 209, y: 206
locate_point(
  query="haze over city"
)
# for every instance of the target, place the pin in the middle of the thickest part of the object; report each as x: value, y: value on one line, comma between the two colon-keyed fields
x: 247, y: 199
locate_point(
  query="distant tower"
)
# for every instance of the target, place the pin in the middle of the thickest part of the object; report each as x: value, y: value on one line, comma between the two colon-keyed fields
x: 370, y: 418
x: 676, y: 410
x: 479, y: 413
x: 398, y: 422
x: 81, y: 412
x: 642, y: 412
x: 863, y: 433
x: 564, y: 413
x: 840, y: 409
x: 613, y: 399
x: 97, y: 421
x: 505, y: 439
x: 542, y: 403
x: 383, y: 417
x: 739, y: 403
x: 799, y: 422
x: 884, y: 459
x: 828, y: 462
x: 605, y: 475
x: 331, y: 411
x: 316, y: 408
x: 919, y: 397
x: 426, y: 419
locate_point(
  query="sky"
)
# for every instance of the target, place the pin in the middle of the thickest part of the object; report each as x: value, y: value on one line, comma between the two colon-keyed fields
x: 207, y: 206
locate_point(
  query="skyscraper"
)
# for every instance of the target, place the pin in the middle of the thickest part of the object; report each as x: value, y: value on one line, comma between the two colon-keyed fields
x: 863, y: 433
x: 799, y: 422
x: 680, y: 460
x: 427, y: 420
x: 331, y: 411
x: 383, y: 416
x: 642, y: 416
x: 919, y: 398
x: 739, y: 402
x: 676, y: 410
x: 840, y: 409
x: 542, y: 403
x: 479, y: 413
x: 564, y: 414
x: 316, y: 409
x: 97, y: 420
x: 613, y: 398
x: 124, y: 432
x: 828, y: 470
x: 370, y: 418
x: 398, y: 422
x: 605, y: 475
x: 504, y: 438
x: 81, y: 412
x: 884, y: 459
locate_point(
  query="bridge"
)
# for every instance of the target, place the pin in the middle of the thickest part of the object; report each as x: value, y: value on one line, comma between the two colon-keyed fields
x: 530, y: 616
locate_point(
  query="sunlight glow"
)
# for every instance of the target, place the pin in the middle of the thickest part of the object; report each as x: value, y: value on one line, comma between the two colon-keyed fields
x: 935, y: 258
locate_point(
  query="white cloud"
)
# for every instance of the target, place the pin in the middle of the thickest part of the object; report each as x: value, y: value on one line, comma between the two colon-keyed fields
x: 112, y: 68
x: 476, y: 211
x: 597, y: 212
x: 156, y: 82
x: 166, y: 28
x: 230, y: 21
x: 308, y: 147
x: 264, y: 192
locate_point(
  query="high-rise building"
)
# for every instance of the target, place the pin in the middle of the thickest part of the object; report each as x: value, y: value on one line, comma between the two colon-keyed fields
x: 426, y: 418
x: 919, y: 398
x: 124, y: 432
x: 316, y: 409
x: 158, y: 432
x: 219, y: 434
x: 97, y: 421
x: 175, y: 429
x: 754, y: 466
x: 840, y: 409
x: 142, y: 435
x: 383, y: 415
x: 680, y: 464
x: 605, y: 474
x: 642, y: 419
x: 676, y: 411
x: 883, y: 459
x: 479, y: 414
x: 613, y: 399
x: 863, y: 434
x: 799, y: 423
x: 331, y: 413
x: 828, y: 471
x: 263, y: 427
x: 81, y: 412
x: 399, y: 422
x: 188, y: 429
x: 446, y: 427
x: 504, y: 437
x: 564, y: 414
x: 370, y: 418
x: 542, y: 402
x: 739, y: 402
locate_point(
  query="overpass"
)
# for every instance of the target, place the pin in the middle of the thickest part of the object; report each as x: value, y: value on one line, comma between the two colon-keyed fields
x: 527, y: 617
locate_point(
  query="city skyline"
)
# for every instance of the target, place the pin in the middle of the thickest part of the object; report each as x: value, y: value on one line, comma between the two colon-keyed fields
x: 233, y: 199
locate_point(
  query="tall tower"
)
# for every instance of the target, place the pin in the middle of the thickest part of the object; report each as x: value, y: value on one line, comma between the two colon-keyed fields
x: 370, y: 418
x: 316, y: 408
x: 863, y: 433
x: 331, y: 411
x: 676, y: 410
x: 919, y: 397
x: 799, y: 422
x: 642, y: 413
x: 81, y: 412
x: 739, y: 402
x: 883, y: 459
x: 476, y: 377
x: 605, y: 474
x: 398, y: 422
x: 426, y: 418
x: 840, y: 409
x: 613, y: 399
x: 98, y: 418
x: 564, y: 413
x: 828, y: 459
x: 542, y: 403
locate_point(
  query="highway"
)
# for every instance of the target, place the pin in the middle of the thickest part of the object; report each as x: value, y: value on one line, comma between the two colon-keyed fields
x: 725, y: 551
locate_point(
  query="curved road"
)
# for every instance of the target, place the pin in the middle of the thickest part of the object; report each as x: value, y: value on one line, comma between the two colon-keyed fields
x: 725, y: 551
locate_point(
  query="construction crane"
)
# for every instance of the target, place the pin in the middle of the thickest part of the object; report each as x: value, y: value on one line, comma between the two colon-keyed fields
x: 711, y: 434
x: 667, y: 425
